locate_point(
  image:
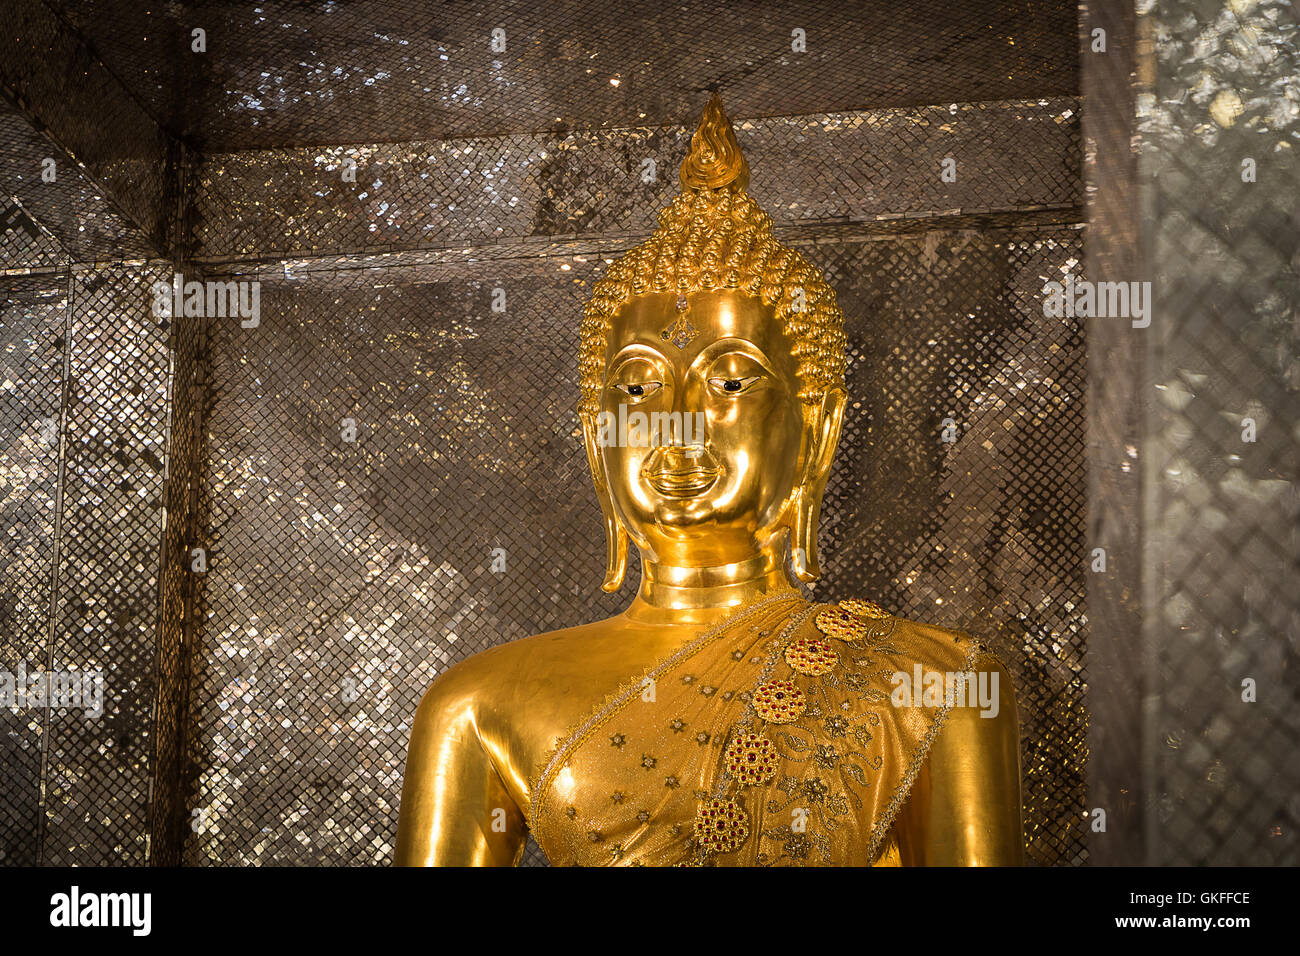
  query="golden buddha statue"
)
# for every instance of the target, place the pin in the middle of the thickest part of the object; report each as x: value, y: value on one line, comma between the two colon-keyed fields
x: 722, y: 719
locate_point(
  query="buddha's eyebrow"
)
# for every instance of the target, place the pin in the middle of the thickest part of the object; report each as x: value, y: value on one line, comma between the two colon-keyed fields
x: 637, y: 350
x: 734, y: 346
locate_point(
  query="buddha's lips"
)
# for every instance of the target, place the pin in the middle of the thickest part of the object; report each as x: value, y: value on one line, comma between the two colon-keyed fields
x: 681, y: 471
x: 683, y: 484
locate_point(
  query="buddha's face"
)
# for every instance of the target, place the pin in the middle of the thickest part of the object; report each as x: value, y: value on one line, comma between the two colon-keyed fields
x: 706, y: 473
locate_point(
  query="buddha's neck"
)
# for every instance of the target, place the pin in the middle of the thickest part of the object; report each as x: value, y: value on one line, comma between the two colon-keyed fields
x: 671, y: 594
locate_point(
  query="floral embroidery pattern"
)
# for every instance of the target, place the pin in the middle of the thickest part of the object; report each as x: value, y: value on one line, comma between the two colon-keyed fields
x: 720, y: 826
x: 779, y: 701
x: 751, y: 759
x: 811, y: 657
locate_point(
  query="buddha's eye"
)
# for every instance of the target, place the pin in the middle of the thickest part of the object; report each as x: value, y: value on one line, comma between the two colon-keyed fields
x: 733, y: 386
x: 638, y: 389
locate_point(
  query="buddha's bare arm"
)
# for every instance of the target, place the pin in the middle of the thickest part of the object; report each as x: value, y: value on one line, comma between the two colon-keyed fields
x: 964, y: 809
x: 456, y: 810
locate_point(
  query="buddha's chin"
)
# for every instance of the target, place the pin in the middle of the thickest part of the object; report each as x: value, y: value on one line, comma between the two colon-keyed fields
x: 679, y: 513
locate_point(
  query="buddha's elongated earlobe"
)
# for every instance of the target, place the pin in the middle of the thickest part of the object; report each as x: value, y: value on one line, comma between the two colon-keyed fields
x: 615, y: 546
x: 615, y: 533
x: 803, y: 538
x: 808, y: 499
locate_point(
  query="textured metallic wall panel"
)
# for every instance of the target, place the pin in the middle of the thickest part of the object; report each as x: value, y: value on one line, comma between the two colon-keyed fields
x: 177, y: 612
x: 52, y: 72
x: 283, y: 73
x: 369, y: 562
x: 33, y: 344
x: 1117, y: 454
x: 1224, y: 525
x: 45, y: 225
x: 25, y: 246
x: 809, y: 169
x: 97, y: 770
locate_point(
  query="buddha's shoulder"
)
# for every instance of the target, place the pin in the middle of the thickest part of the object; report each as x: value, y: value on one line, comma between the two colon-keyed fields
x: 501, y: 669
x: 933, y: 647
x: 922, y: 638
x: 909, y: 644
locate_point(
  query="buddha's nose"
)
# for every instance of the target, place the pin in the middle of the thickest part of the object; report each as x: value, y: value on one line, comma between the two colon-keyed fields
x: 686, y: 436
x: 684, y: 427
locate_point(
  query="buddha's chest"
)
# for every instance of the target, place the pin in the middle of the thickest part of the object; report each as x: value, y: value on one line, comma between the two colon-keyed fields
x: 770, y: 748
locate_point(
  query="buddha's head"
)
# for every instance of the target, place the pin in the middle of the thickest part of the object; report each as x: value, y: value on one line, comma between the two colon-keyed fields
x: 712, y: 363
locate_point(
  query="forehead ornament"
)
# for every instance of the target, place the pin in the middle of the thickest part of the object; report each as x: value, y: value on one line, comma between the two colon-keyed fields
x: 680, y: 331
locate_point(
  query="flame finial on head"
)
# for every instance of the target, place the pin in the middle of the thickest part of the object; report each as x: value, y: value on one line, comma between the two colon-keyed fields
x: 715, y: 159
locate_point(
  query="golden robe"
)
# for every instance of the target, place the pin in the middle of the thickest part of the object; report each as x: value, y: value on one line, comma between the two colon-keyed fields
x: 777, y: 738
